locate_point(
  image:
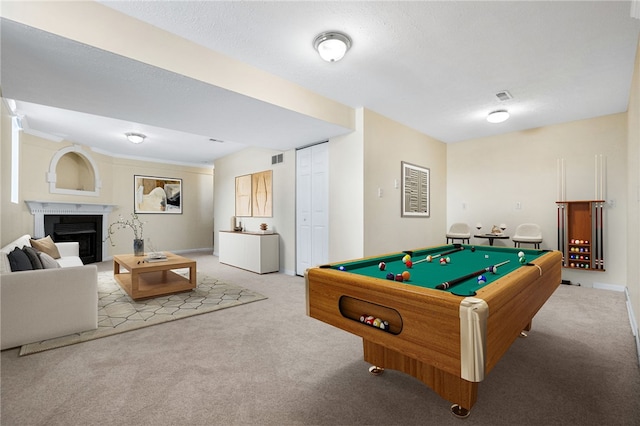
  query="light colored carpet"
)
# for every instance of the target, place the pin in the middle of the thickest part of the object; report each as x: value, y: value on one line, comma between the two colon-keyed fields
x: 118, y: 313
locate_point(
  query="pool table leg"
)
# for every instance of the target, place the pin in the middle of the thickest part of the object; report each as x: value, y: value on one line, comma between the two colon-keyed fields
x: 523, y: 333
x: 376, y: 371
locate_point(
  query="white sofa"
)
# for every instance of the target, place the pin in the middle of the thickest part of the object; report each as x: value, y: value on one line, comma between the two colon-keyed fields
x: 46, y: 303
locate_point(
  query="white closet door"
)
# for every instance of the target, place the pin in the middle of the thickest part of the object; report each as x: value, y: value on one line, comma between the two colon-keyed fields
x: 312, y: 207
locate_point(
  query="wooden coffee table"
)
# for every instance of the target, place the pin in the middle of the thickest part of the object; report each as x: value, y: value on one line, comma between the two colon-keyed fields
x: 147, y: 279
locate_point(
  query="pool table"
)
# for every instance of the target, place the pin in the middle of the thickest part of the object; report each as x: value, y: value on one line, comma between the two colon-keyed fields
x: 448, y: 339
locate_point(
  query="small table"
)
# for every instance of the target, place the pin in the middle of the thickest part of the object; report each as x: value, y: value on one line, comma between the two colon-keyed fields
x: 147, y: 279
x: 492, y: 237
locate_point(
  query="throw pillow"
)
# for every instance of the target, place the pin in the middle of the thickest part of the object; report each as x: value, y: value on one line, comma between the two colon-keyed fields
x: 46, y: 245
x: 19, y: 261
x: 32, y: 254
x: 48, y: 262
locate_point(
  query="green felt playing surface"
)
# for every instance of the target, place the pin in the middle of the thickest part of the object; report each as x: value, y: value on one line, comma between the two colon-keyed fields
x: 430, y: 274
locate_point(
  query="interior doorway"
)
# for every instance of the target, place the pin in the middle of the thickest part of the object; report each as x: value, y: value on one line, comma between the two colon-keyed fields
x: 312, y: 206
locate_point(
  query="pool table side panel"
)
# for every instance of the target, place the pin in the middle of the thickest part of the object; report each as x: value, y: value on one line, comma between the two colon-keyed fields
x: 514, y: 302
x: 430, y: 335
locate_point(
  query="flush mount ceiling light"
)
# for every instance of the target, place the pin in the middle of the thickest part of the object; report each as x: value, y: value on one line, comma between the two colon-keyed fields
x: 135, y: 137
x: 498, y: 116
x: 332, y: 45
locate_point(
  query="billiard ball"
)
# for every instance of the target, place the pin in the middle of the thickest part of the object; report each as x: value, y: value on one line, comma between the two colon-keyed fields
x: 473, y: 248
x: 342, y: 268
x: 520, y: 254
x: 429, y: 258
x: 482, y: 279
x: 399, y: 278
x: 390, y: 276
x: 409, y: 264
x: 382, y: 266
x: 448, y: 259
x: 406, y: 275
x: 376, y: 322
x: 522, y: 260
x: 493, y: 269
x: 406, y: 258
x: 443, y: 261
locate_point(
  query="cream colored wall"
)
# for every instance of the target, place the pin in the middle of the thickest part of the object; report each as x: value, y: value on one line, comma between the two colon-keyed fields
x: 253, y: 160
x: 193, y: 229
x: 346, y: 203
x: 488, y: 177
x: 386, y: 144
x: 633, y: 193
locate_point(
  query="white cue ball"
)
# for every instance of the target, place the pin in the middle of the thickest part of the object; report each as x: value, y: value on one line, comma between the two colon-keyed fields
x: 520, y: 254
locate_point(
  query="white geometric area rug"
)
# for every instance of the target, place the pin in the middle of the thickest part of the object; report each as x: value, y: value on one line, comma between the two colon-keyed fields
x: 118, y: 313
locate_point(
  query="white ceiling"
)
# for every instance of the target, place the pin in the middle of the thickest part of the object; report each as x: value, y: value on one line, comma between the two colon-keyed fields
x: 434, y: 66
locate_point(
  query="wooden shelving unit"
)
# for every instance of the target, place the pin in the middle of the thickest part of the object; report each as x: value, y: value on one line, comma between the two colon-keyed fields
x: 581, y: 234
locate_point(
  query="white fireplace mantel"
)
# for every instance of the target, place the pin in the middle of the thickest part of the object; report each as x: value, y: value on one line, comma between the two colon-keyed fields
x: 41, y: 208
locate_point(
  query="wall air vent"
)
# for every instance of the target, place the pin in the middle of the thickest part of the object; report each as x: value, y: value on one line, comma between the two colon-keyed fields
x: 277, y: 159
x: 504, y: 95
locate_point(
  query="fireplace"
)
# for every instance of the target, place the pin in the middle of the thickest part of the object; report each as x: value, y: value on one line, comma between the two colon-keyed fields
x: 85, y: 229
x: 85, y: 223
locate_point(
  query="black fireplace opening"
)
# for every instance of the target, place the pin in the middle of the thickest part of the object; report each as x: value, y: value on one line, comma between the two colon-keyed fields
x: 84, y: 229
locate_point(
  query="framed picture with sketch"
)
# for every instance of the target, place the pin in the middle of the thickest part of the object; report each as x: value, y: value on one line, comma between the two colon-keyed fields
x: 415, y: 190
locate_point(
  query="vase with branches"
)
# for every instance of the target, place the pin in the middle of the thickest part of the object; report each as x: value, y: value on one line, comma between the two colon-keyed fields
x: 136, y: 225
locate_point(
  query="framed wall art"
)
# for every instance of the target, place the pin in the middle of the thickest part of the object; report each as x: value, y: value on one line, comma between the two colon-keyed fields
x: 243, y: 196
x: 261, y: 197
x: 415, y: 190
x: 157, y: 195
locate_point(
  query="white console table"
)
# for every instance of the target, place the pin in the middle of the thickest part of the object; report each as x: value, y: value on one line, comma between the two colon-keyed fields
x: 254, y: 252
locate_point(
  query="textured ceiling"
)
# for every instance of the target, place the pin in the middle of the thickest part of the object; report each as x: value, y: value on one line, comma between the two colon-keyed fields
x: 434, y: 66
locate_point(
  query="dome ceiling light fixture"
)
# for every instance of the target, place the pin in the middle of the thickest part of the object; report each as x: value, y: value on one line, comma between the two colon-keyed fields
x: 135, y: 137
x: 332, y: 45
x: 498, y: 116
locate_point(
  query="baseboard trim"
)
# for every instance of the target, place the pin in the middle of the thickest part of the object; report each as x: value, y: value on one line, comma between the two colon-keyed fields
x: 612, y: 287
x: 634, y: 323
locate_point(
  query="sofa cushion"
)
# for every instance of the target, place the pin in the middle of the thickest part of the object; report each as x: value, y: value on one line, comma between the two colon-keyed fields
x: 19, y: 261
x: 46, y: 245
x: 48, y: 262
x: 32, y: 254
x: 4, y: 252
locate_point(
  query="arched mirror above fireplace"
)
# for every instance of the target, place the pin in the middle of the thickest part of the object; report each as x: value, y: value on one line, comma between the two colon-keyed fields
x: 72, y: 171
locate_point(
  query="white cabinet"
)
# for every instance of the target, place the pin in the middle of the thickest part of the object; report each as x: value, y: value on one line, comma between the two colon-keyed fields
x: 254, y: 252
